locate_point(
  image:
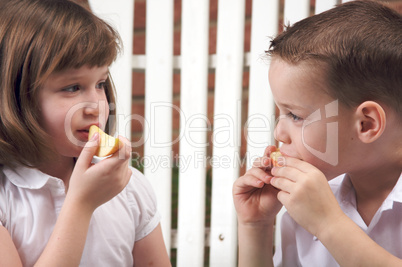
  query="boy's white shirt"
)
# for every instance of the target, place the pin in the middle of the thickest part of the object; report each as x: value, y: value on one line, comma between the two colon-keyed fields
x: 300, y: 248
x: 30, y: 202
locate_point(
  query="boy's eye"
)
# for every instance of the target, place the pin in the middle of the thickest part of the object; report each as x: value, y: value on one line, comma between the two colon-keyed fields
x: 72, y: 89
x: 101, y: 85
x: 294, y: 117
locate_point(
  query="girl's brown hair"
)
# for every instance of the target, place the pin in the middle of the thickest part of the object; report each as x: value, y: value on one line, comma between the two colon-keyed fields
x: 38, y: 38
x: 358, y: 45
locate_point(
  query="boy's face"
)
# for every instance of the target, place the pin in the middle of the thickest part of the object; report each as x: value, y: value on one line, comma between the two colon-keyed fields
x: 310, y: 119
x: 70, y: 102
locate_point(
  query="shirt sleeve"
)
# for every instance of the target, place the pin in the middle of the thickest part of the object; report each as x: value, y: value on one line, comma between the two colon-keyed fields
x: 142, y: 200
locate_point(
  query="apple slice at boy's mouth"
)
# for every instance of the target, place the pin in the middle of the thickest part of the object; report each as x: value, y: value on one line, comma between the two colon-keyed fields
x: 277, y: 159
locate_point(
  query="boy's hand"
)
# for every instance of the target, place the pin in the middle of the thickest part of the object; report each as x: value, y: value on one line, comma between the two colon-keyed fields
x: 306, y: 194
x: 94, y: 184
x: 254, y: 198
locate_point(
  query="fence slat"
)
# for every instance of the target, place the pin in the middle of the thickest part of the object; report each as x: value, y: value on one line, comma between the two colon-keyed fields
x: 158, y: 106
x: 261, y: 107
x: 296, y: 10
x: 227, y: 130
x: 323, y: 5
x: 120, y: 14
x: 193, y: 135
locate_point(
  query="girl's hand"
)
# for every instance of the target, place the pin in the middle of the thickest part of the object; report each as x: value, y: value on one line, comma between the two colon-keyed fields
x: 306, y: 194
x: 254, y: 198
x: 94, y: 184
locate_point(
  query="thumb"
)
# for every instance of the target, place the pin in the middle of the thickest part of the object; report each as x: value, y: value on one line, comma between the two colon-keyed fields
x: 88, y: 152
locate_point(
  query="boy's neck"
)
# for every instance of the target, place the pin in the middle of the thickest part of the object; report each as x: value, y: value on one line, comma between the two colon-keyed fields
x: 372, y: 187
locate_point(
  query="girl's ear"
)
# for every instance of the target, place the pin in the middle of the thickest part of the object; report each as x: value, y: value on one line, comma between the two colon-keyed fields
x: 371, y: 121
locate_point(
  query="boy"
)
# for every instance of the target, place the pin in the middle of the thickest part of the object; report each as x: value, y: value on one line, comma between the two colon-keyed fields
x: 337, y: 80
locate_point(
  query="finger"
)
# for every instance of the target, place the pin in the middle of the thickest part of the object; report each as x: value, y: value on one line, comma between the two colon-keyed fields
x: 298, y: 164
x: 88, y: 152
x: 262, y: 162
x: 247, y: 182
x: 283, y: 197
x: 269, y: 150
x: 282, y: 184
x: 124, y: 151
x: 287, y: 172
x: 260, y: 174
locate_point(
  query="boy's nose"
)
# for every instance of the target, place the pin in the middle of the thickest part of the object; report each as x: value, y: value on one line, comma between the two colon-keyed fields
x: 280, y: 132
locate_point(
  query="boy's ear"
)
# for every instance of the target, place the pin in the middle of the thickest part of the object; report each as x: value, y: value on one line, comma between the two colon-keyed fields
x: 371, y: 121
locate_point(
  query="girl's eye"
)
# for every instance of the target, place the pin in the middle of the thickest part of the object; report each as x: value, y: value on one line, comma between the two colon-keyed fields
x: 294, y: 117
x: 101, y: 85
x: 72, y: 89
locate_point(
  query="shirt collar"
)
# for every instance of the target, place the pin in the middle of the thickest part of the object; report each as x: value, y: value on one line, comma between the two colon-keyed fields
x: 25, y: 177
x: 346, y: 186
x: 396, y: 193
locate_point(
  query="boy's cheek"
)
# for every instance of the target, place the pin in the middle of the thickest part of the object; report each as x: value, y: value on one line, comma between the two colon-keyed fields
x: 314, y: 137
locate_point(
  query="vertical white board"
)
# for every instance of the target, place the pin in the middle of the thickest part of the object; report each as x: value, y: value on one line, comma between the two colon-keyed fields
x: 120, y: 15
x: 296, y: 10
x: 193, y: 138
x: 158, y: 106
x: 227, y: 130
x: 323, y: 5
x: 261, y: 107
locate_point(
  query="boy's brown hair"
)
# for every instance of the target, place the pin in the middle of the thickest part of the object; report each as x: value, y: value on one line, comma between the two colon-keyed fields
x: 37, y: 39
x: 358, y: 45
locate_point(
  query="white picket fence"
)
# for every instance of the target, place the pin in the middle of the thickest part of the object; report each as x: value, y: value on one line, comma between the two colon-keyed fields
x: 194, y: 64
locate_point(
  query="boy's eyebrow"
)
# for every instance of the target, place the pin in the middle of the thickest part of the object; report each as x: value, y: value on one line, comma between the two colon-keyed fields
x: 290, y: 106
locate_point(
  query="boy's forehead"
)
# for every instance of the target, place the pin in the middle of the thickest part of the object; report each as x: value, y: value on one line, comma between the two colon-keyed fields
x: 297, y: 85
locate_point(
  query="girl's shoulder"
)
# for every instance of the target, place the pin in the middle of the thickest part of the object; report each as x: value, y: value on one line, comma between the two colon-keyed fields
x: 139, y: 189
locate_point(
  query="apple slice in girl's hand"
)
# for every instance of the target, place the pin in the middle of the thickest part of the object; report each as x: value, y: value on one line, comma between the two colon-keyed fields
x: 107, y: 144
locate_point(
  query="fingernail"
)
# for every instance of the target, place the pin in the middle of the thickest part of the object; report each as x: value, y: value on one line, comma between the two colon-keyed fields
x: 95, y: 137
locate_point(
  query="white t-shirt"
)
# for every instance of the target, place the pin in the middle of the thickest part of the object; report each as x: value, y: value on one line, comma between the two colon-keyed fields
x: 30, y: 202
x: 300, y: 248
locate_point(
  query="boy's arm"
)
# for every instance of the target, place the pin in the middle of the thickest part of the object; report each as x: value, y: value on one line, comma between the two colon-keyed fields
x: 351, y: 246
x: 151, y: 250
x: 309, y: 200
x: 255, y: 245
x: 256, y: 205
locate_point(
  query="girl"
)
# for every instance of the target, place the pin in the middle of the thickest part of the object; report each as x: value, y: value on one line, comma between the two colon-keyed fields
x: 56, y: 208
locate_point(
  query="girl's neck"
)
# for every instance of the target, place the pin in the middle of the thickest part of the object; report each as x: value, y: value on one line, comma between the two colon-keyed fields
x: 61, y: 168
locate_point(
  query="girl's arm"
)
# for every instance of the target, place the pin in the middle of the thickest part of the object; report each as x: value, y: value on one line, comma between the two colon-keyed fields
x: 8, y: 253
x: 90, y: 186
x: 151, y: 250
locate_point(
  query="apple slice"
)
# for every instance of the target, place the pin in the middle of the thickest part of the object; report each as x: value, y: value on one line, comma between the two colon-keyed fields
x: 274, y: 158
x: 107, y: 144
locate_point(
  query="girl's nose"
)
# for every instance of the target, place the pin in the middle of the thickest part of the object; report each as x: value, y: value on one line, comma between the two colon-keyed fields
x: 96, y: 103
x: 281, y: 133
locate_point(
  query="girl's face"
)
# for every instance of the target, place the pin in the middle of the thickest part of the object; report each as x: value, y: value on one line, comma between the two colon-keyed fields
x: 312, y: 125
x: 70, y: 102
